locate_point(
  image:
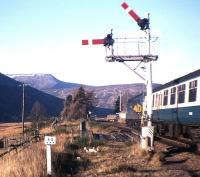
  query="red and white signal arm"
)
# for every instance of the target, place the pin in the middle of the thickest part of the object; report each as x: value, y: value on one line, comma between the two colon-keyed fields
x: 93, y: 41
x: 130, y: 11
x: 142, y: 23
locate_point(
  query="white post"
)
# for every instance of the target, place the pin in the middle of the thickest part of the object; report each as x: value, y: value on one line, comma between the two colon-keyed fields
x: 149, y: 81
x: 49, y: 140
x: 48, y: 159
x: 148, y: 131
x: 149, y: 93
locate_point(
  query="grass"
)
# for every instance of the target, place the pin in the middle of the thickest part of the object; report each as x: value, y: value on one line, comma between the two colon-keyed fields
x: 60, y: 130
x: 99, y: 126
x: 25, y: 163
x: 69, y: 159
x: 9, y: 129
x: 66, y: 163
x: 31, y: 162
x: 121, y: 158
x: 137, y: 151
x: 81, y: 142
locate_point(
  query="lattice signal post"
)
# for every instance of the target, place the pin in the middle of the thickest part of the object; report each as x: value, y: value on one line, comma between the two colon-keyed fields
x: 147, y: 59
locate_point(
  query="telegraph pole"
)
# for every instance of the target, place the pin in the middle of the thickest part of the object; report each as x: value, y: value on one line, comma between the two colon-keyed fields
x: 23, y: 100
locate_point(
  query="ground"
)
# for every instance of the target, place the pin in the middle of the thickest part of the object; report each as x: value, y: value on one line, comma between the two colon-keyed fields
x: 127, y: 159
x: 113, y: 157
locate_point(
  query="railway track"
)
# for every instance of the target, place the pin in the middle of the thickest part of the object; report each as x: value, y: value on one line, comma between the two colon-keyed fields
x: 124, y: 133
x: 182, y: 143
x: 118, y: 132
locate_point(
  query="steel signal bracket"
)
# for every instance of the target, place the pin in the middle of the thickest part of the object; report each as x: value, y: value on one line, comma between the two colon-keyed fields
x: 123, y: 58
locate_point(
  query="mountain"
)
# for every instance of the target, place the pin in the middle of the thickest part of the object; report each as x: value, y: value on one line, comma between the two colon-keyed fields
x: 11, y: 95
x: 106, y: 95
x: 42, y: 81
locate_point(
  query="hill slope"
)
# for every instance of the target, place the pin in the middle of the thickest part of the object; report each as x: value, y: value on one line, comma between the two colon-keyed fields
x: 106, y: 95
x: 11, y: 100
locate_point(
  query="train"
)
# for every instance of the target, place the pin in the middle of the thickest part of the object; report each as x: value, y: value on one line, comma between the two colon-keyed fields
x: 175, y: 108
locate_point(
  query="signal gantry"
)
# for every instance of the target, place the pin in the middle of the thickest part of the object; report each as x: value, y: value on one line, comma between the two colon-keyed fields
x: 147, y: 130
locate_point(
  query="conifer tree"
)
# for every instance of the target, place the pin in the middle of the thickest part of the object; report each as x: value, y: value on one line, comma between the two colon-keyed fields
x: 67, y: 105
x: 78, y: 106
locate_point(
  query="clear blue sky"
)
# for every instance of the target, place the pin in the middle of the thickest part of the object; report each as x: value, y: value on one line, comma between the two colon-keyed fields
x: 44, y: 36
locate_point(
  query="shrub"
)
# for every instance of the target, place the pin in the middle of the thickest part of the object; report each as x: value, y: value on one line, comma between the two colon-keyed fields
x: 128, y: 143
x: 99, y: 125
x: 137, y: 150
x: 81, y: 142
x: 60, y: 130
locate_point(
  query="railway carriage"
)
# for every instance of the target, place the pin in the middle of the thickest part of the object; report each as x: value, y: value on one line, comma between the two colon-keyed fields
x: 176, y: 107
x: 134, y: 111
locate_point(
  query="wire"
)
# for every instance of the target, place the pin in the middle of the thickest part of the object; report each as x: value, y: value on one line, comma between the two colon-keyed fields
x: 133, y: 70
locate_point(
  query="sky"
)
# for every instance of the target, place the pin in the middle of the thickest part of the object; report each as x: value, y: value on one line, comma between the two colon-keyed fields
x: 44, y: 36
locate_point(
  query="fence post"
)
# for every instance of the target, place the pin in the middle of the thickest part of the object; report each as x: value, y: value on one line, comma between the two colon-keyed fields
x: 83, y: 128
x: 6, y: 142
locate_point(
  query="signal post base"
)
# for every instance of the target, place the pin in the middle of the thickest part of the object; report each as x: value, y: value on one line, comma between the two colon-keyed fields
x: 147, y: 138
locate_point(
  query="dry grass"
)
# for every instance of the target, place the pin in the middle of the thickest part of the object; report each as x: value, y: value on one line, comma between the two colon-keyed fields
x: 46, y: 130
x: 114, y: 159
x: 62, y: 141
x: 8, y: 129
x: 154, y: 159
x: 118, y: 159
x: 136, y: 150
x: 31, y: 162
x: 122, y: 159
x: 157, y: 160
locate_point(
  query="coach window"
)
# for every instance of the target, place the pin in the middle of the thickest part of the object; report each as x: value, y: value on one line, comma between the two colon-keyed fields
x: 173, y: 95
x: 160, y: 99
x: 165, y: 101
x: 157, y: 99
x: 181, y: 93
x: 153, y: 100
x: 192, y: 91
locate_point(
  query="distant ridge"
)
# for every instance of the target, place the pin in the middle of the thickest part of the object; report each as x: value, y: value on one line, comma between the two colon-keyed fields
x: 18, y: 75
x: 11, y: 100
x: 42, y: 81
x: 106, y: 95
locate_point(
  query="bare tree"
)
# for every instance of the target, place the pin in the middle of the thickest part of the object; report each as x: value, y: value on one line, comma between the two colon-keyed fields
x: 37, y: 112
